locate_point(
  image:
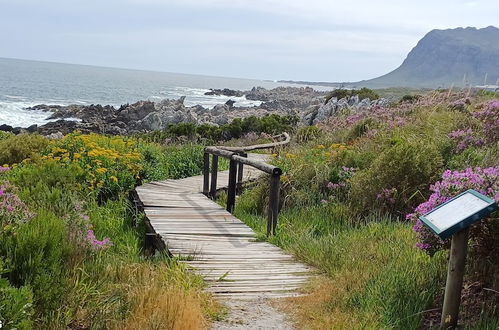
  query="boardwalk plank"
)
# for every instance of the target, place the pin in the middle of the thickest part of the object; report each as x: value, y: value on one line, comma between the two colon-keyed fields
x: 217, y: 245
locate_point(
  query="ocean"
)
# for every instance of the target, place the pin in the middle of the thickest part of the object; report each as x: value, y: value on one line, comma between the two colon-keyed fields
x: 26, y: 83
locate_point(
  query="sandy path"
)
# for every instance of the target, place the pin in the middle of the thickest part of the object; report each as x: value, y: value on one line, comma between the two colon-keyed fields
x: 252, y: 314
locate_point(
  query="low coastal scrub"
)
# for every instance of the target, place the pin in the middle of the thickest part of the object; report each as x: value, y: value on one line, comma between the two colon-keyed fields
x: 350, y: 198
x: 71, y: 252
x: 209, y: 133
x: 363, y: 93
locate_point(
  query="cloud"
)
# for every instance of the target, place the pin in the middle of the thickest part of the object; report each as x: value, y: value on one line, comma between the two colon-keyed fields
x: 315, y: 39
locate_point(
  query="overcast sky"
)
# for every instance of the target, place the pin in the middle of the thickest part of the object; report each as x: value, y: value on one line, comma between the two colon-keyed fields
x: 319, y: 40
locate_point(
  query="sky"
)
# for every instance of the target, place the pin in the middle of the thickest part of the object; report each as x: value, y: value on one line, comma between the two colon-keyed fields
x: 314, y: 40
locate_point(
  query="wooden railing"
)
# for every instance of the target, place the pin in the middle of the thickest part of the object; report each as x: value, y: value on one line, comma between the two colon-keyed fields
x: 237, y: 159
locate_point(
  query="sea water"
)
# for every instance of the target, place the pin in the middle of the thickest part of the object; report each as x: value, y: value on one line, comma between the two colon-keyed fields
x: 27, y: 83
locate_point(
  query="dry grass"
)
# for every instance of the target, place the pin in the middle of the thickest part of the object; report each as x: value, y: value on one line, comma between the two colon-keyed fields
x: 162, y: 308
x: 325, y: 305
x: 139, y: 294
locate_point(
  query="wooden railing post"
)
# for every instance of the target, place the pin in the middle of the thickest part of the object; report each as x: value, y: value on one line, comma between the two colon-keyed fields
x: 206, y: 173
x: 214, y: 173
x: 231, y: 192
x: 241, y: 168
x: 275, y: 183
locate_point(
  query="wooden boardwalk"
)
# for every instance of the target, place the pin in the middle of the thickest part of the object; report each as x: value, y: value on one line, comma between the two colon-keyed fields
x: 216, y: 244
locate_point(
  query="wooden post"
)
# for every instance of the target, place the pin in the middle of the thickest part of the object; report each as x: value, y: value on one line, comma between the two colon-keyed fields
x: 273, y: 203
x: 206, y: 173
x: 455, y: 274
x: 241, y: 169
x: 231, y: 192
x: 214, y: 173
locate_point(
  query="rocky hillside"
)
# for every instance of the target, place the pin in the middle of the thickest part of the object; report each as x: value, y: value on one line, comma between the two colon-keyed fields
x: 443, y: 58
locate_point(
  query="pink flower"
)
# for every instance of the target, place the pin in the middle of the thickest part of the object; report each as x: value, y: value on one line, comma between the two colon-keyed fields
x: 95, y: 243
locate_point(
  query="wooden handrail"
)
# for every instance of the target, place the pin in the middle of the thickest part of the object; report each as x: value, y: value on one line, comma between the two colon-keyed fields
x: 286, y: 140
x: 238, y: 157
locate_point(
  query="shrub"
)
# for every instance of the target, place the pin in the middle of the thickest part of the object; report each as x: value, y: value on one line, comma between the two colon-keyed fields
x: 485, y: 181
x: 49, y: 185
x: 489, y: 118
x: 366, y: 93
x: 363, y: 93
x: 5, y: 135
x: 405, y: 168
x: 408, y: 98
x: 37, y: 253
x: 16, y: 148
x: 183, y: 161
x: 308, y: 133
x: 15, y: 304
x: 110, y: 164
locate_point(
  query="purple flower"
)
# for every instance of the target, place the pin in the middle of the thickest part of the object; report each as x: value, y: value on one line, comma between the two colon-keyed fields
x: 4, y: 169
x: 95, y: 243
x: 485, y: 181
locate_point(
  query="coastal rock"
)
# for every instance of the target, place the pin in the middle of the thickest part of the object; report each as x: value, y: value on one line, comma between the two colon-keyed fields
x: 136, y: 111
x: 144, y: 116
x: 6, y: 128
x: 151, y: 122
x: 55, y: 136
x: 225, y: 92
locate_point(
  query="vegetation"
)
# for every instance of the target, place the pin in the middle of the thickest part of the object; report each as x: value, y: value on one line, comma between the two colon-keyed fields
x: 71, y: 252
x: 209, y: 133
x: 363, y: 93
x: 350, y: 200
x: 353, y: 188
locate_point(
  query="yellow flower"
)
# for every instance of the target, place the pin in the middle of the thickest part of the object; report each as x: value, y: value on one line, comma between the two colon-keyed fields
x: 113, y: 178
x: 290, y: 156
x: 100, y: 184
x: 320, y: 146
x: 274, y: 155
x: 77, y: 155
x: 101, y: 170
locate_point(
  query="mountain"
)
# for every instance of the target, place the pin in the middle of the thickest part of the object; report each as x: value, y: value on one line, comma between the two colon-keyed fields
x: 443, y: 58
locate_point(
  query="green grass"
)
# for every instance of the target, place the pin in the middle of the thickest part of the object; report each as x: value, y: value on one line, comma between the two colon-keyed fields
x: 380, y: 279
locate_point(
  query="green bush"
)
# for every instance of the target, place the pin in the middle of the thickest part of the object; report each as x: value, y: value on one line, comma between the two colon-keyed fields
x: 154, y: 164
x: 409, y: 98
x: 15, y: 304
x: 5, y: 135
x: 48, y: 185
x: 366, y: 93
x: 361, y: 128
x: 16, y: 148
x: 183, y: 161
x: 38, y: 253
x: 407, y: 168
x: 363, y: 93
x: 308, y: 133
x: 270, y: 124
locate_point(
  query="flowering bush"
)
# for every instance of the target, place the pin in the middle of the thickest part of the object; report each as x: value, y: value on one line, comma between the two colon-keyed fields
x: 489, y: 118
x: 13, y: 211
x: 339, y: 187
x: 96, y: 244
x: 110, y: 164
x: 465, y: 139
x: 485, y: 181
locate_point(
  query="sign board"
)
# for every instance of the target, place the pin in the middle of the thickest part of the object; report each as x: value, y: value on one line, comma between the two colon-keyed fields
x: 458, y: 213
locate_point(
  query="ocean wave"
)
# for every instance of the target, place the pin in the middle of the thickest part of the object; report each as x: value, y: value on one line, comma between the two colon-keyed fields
x: 196, y: 96
x: 16, y: 115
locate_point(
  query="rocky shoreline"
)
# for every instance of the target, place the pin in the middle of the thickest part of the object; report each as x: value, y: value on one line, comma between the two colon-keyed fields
x: 144, y: 116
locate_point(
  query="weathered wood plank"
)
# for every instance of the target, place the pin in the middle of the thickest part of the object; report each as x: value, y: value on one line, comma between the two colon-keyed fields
x: 216, y: 244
